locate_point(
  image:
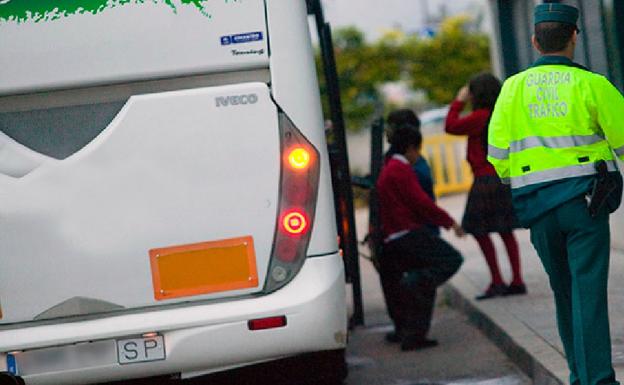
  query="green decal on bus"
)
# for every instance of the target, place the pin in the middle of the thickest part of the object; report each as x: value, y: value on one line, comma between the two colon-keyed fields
x: 39, y: 10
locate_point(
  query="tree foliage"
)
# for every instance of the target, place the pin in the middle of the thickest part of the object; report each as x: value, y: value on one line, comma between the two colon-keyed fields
x: 361, y: 67
x: 442, y: 65
x: 439, y: 66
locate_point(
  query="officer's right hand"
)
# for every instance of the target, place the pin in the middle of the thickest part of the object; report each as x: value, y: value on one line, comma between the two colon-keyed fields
x: 463, y: 94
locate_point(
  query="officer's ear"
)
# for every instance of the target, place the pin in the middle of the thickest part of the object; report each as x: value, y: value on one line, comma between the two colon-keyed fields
x: 536, y: 44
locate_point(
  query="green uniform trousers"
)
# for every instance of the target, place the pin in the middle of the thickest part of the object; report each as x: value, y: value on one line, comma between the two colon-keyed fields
x: 574, y: 248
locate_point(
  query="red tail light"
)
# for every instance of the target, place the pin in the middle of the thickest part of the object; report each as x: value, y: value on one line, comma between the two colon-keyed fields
x: 267, y: 323
x: 294, y: 222
x: 298, y: 190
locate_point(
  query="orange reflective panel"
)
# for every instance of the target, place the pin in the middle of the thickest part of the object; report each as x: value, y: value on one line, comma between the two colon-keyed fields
x: 203, y: 268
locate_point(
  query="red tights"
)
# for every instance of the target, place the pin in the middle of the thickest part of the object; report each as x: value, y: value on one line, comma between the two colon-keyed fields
x: 487, y: 247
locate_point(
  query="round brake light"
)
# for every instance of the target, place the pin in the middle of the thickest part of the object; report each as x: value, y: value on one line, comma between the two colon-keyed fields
x: 295, y: 222
x: 299, y: 158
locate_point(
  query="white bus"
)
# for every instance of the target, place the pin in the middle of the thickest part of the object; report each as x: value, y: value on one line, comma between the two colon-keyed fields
x: 165, y: 194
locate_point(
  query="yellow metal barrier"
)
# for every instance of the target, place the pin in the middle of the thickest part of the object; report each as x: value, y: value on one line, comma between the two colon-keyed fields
x: 446, y: 155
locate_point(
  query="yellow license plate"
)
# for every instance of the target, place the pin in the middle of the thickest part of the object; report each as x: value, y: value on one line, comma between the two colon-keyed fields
x: 203, y: 268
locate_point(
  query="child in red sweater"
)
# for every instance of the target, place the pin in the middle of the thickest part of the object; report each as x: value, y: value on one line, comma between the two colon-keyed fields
x: 488, y: 209
x: 414, y: 262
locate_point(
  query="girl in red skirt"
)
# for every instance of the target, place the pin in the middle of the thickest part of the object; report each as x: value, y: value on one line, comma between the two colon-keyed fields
x: 488, y: 208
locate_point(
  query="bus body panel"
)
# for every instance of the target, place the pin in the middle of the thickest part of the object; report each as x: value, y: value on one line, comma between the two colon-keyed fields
x: 167, y: 171
x: 126, y: 41
x: 203, y: 338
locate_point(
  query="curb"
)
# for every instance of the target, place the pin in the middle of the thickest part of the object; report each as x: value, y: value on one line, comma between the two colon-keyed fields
x: 532, y: 354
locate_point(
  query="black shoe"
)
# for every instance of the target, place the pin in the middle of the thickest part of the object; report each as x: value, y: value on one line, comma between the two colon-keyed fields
x: 493, y: 291
x: 393, y: 337
x: 417, y: 343
x: 516, y: 289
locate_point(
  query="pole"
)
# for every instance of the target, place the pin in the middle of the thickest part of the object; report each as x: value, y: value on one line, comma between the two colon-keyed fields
x: 341, y: 178
x: 374, y: 225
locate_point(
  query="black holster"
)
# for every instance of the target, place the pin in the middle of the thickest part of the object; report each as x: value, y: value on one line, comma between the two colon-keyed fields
x: 606, y: 192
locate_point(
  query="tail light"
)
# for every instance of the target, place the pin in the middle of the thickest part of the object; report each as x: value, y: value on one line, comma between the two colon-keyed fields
x: 294, y: 222
x: 299, y: 158
x: 267, y: 323
x: 297, y: 202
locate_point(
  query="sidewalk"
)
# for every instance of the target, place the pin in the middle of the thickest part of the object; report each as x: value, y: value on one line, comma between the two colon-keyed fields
x: 523, y: 326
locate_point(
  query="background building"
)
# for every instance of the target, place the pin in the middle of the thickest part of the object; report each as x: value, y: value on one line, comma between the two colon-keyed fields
x: 600, y: 47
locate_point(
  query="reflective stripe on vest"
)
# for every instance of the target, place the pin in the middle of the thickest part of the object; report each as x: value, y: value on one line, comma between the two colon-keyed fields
x: 547, y: 142
x: 498, y: 153
x: 619, y: 151
x: 558, y: 173
x: 554, y: 142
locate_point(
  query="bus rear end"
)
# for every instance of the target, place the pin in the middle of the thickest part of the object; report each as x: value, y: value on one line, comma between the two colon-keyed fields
x: 165, y: 194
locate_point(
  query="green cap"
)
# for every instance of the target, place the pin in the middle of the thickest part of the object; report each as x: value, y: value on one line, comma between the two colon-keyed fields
x: 561, y: 13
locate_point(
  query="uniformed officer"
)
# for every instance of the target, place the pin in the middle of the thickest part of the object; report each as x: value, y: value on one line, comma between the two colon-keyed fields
x: 553, y: 127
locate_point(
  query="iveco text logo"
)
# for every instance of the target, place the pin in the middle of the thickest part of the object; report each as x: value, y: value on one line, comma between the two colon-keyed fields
x: 235, y: 100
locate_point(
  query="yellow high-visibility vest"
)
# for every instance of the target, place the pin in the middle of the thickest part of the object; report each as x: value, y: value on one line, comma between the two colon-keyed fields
x: 554, y: 121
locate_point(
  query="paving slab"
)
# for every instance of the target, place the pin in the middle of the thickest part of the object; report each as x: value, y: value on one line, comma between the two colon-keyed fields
x: 373, y: 361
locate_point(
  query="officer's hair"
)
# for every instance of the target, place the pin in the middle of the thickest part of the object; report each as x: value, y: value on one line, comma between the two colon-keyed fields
x: 553, y: 36
x: 484, y: 89
x: 404, y: 136
x: 397, y: 118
